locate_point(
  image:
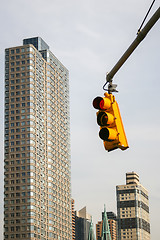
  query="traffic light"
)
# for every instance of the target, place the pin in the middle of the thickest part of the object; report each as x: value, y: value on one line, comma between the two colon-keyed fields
x: 110, y: 122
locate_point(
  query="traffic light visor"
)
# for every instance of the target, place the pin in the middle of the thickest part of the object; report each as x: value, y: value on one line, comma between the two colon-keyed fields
x: 101, y: 103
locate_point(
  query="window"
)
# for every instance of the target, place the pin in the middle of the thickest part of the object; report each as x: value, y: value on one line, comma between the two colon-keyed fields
x: 12, y: 75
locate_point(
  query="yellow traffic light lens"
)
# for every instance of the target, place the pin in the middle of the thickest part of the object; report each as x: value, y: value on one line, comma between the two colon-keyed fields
x: 108, y: 134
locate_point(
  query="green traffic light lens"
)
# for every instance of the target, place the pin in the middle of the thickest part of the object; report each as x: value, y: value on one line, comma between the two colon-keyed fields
x: 104, y: 134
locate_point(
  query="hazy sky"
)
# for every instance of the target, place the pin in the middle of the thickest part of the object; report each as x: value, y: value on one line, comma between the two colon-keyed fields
x: 89, y: 37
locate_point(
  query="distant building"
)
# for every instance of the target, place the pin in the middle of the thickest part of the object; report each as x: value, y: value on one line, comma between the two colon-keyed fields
x: 82, y: 224
x: 91, y: 232
x: 112, y: 221
x: 73, y: 219
x: 133, y: 209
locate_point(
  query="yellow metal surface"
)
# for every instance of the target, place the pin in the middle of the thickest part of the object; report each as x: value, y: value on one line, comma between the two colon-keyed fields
x: 106, y: 103
x: 123, y: 143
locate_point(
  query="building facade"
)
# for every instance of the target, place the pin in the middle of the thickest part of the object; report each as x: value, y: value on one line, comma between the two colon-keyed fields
x: 133, y: 209
x: 73, y: 219
x: 37, y: 185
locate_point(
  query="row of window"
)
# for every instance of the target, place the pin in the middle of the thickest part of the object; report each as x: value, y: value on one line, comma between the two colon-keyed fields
x: 22, y: 80
x: 23, y: 74
x: 18, y: 50
x: 17, y: 57
x: 23, y: 68
x: 17, y: 63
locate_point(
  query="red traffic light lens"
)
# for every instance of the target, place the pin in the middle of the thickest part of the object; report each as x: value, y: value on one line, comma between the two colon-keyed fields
x: 98, y: 103
x: 101, y: 104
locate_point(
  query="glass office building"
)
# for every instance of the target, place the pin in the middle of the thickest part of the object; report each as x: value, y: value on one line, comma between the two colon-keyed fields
x: 37, y: 184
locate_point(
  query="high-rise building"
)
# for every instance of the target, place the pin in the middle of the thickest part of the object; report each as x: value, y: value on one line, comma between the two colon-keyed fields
x: 112, y: 222
x: 37, y: 186
x: 133, y: 209
x: 82, y: 224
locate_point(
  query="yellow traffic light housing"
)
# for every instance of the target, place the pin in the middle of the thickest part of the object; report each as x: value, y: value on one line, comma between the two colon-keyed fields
x: 110, y: 122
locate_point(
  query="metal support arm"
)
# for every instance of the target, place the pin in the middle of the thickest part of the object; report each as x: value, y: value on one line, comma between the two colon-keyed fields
x: 141, y: 35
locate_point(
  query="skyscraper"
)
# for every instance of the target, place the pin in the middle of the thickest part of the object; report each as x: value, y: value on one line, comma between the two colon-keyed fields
x: 133, y: 209
x: 37, y: 201
x: 82, y: 224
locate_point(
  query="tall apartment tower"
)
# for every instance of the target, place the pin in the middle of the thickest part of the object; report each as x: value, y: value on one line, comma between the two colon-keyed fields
x: 37, y: 201
x: 133, y: 209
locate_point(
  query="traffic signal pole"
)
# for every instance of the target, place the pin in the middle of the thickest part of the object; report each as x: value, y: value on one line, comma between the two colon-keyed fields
x: 140, y: 36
